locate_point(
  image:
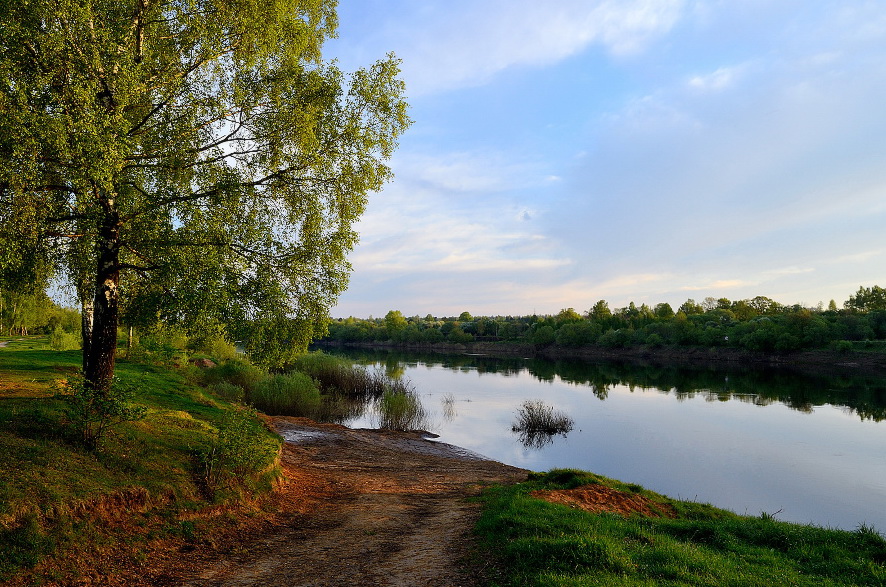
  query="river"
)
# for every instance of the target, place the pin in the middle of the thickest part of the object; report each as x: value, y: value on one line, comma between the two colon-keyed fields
x: 802, y: 448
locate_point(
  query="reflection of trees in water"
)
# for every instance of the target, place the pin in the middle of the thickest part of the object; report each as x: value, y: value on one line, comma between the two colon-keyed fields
x: 863, y: 396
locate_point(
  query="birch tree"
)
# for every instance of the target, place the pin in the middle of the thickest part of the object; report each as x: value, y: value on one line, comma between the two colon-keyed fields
x: 195, y: 158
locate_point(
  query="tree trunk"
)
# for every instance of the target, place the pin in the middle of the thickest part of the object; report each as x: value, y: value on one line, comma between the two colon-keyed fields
x: 86, y: 306
x: 100, y: 358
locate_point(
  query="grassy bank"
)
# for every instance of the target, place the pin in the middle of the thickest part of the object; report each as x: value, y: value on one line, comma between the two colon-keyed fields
x: 62, y: 503
x: 663, y: 542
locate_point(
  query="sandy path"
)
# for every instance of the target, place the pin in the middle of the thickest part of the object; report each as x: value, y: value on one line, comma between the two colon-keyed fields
x: 369, y: 508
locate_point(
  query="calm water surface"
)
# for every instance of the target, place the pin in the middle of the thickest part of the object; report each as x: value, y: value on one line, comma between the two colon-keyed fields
x: 807, y: 449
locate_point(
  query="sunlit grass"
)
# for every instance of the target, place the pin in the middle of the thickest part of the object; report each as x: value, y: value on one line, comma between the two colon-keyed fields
x: 539, y: 543
x: 52, y: 488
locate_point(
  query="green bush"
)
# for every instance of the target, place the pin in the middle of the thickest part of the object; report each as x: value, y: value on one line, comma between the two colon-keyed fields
x: 843, y: 346
x: 615, y: 338
x: 544, y: 335
x: 92, y: 412
x: 219, y: 348
x: 240, y: 373
x: 292, y: 394
x: 60, y: 340
x: 240, y: 448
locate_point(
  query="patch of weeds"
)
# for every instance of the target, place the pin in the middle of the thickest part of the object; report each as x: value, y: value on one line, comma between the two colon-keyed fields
x: 23, y: 546
x: 292, y: 394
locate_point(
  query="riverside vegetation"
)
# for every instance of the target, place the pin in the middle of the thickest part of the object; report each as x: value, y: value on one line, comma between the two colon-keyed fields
x: 759, y: 324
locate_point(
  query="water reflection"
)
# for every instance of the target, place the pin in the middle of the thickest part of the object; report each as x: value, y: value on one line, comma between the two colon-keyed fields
x: 814, y: 451
x: 538, y: 423
x: 449, y: 411
x: 864, y: 396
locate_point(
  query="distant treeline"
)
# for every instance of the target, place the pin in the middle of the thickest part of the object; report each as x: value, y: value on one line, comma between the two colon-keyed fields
x: 34, y: 313
x: 758, y: 324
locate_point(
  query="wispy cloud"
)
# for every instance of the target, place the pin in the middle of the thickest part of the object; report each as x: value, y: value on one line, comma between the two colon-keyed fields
x: 468, y: 42
x: 720, y: 79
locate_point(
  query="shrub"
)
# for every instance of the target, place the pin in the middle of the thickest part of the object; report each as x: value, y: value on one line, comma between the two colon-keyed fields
x: 544, y: 335
x: 843, y: 346
x: 292, y: 394
x: 60, y: 340
x: 615, y: 338
x: 240, y: 448
x: 164, y: 344
x: 92, y: 412
x: 219, y: 348
x: 537, y: 423
x: 654, y: 341
x: 228, y: 391
x: 240, y: 373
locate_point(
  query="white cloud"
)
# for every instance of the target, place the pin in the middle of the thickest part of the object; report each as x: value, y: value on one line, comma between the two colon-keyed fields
x: 717, y: 80
x: 467, y: 43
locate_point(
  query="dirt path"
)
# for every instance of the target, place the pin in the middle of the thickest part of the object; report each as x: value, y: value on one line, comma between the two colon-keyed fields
x: 366, y: 508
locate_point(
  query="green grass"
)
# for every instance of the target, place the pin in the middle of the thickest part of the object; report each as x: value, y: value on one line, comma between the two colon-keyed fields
x: 534, y: 542
x: 291, y: 394
x: 53, y: 491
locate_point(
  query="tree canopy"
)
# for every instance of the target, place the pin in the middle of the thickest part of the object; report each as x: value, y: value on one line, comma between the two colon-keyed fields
x: 196, y: 162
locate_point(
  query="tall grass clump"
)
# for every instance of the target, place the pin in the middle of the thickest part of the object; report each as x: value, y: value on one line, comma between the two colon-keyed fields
x: 537, y: 423
x: 291, y: 394
x: 336, y: 375
x: 60, y: 340
x: 537, y: 416
x: 228, y: 391
x: 400, y: 409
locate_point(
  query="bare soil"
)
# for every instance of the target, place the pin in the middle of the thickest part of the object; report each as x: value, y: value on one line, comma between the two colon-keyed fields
x: 599, y: 498
x: 358, y: 507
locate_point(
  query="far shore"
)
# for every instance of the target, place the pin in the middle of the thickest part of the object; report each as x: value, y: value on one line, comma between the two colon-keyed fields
x: 816, y: 361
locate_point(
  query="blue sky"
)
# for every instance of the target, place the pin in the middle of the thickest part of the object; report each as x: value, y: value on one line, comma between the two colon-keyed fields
x: 629, y: 150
